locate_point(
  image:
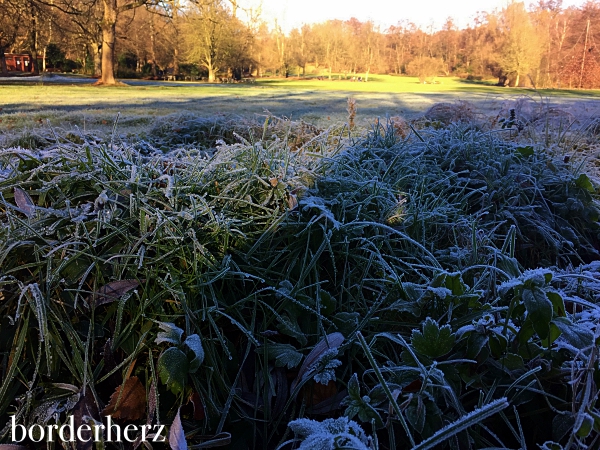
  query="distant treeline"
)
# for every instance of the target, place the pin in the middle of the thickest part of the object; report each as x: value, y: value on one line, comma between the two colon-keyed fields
x: 544, y: 45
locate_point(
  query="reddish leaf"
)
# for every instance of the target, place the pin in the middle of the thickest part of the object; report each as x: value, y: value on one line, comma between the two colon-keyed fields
x: 317, y: 392
x: 198, y: 406
x: 128, y: 402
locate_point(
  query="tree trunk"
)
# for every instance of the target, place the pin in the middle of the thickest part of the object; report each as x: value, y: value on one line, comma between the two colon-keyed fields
x: 97, y: 57
x: 517, y: 80
x: 153, y: 47
x: 176, y: 59
x: 108, y: 42
x: 211, y: 75
x: 3, y: 68
x: 33, y: 42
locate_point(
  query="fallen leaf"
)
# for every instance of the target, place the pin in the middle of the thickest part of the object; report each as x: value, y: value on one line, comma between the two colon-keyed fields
x: 292, y: 202
x: 128, y: 402
x: 84, y: 409
x: 113, y: 291
x: 176, y: 435
x: 24, y: 202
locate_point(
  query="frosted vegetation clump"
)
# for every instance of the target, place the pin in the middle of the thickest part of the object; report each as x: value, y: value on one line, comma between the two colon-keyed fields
x: 434, y: 289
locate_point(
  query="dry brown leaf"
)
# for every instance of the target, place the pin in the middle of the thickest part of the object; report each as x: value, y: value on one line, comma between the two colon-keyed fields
x: 292, y: 202
x: 113, y: 291
x: 128, y: 402
x: 24, y: 202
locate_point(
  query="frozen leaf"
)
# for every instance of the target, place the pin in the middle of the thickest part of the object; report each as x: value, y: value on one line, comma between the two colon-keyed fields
x: 433, y: 341
x: 195, y: 345
x: 354, y: 387
x: 24, y: 202
x: 574, y: 334
x: 171, y: 333
x: 128, y: 402
x: 331, y: 341
x: 539, y: 309
x: 173, y: 369
x: 455, y: 283
x: 114, y: 290
x: 330, y: 434
x: 176, y: 435
x: 285, y: 355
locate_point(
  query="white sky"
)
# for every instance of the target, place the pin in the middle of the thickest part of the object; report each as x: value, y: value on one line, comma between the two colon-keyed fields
x: 293, y: 13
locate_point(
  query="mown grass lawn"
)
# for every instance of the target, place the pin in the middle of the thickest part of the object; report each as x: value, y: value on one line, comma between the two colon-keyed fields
x: 321, y: 102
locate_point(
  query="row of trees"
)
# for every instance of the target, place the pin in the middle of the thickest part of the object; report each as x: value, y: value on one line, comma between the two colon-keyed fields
x: 546, y: 45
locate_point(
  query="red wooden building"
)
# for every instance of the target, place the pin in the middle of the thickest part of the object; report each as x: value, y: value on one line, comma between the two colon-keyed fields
x: 18, y: 62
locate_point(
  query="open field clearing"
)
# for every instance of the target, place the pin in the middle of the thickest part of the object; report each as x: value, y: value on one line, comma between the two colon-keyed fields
x: 322, y: 103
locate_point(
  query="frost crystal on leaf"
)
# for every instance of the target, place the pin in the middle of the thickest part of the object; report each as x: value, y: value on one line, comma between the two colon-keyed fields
x: 330, y: 434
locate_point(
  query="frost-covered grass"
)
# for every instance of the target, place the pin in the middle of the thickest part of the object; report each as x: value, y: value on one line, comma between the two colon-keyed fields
x: 430, y: 288
x: 28, y: 106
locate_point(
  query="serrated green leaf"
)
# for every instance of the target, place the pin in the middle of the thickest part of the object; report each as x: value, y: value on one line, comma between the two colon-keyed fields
x: 455, y: 283
x: 173, y: 369
x: 171, y: 333
x: 194, y: 343
x: 539, y: 309
x: 433, y: 341
x: 285, y: 355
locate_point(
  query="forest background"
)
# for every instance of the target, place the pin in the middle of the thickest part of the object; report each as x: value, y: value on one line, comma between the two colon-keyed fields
x: 542, y: 45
